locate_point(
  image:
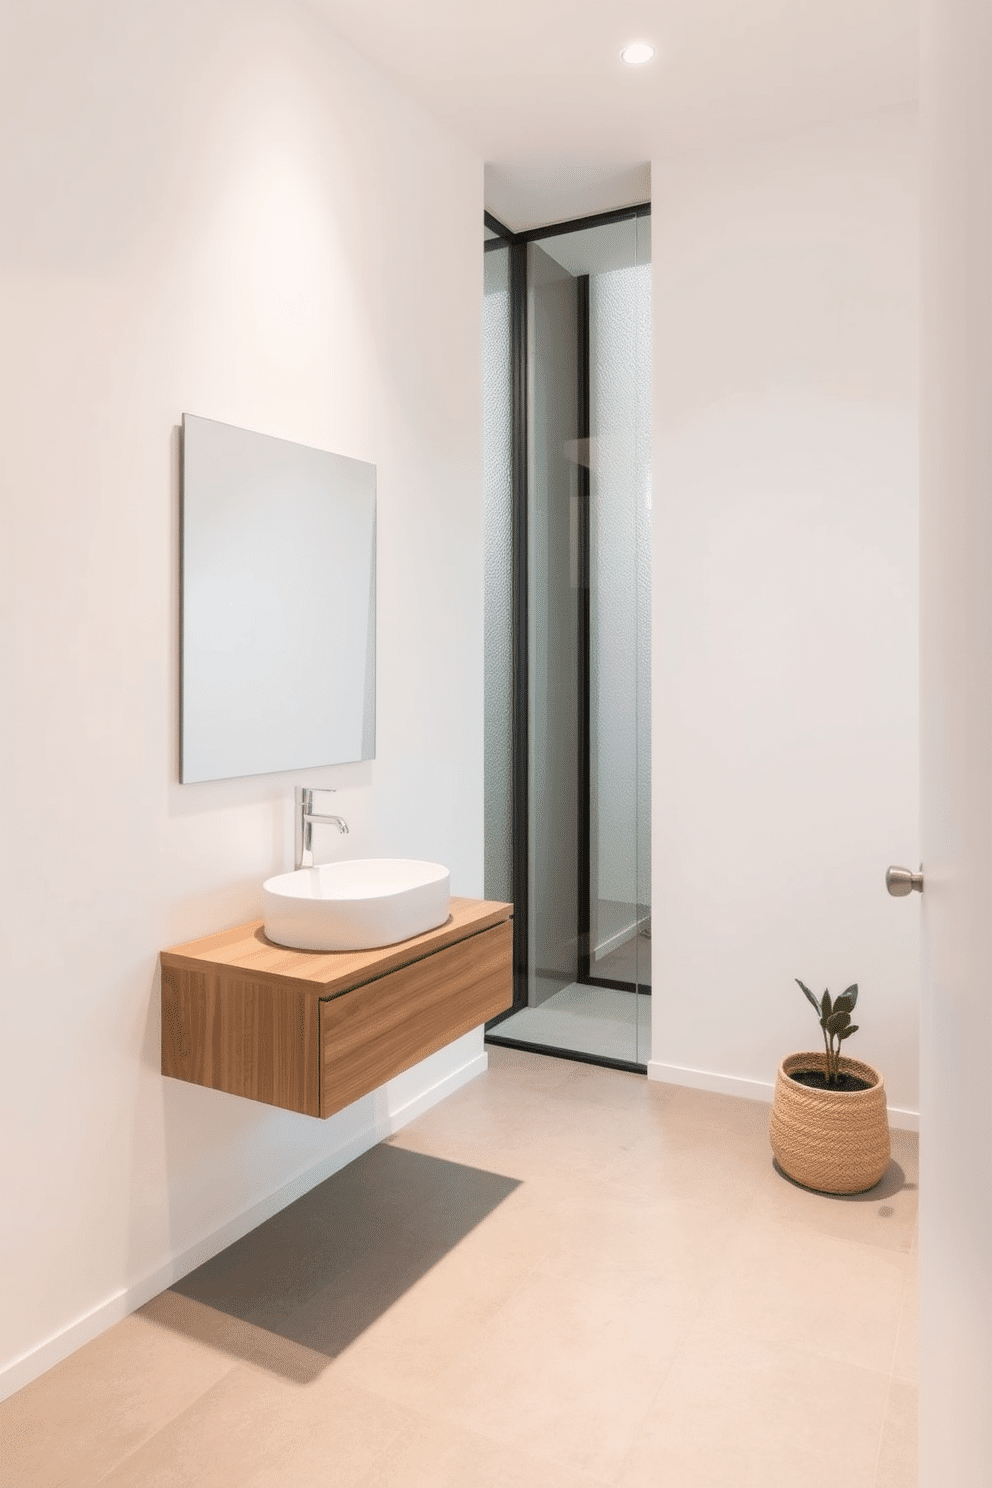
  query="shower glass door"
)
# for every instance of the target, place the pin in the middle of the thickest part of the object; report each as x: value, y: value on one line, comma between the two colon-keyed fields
x: 581, y: 504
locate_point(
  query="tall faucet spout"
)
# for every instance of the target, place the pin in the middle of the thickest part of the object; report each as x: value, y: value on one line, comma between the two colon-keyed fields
x: 305, y: 818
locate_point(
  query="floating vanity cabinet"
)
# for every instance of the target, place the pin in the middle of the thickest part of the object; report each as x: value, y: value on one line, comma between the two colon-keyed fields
x: 313, y: 1031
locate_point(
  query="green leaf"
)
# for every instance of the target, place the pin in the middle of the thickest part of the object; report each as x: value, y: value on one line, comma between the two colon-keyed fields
x: 809, y: 995
x: 846, y: 1033
x: 852, y: 993
x: 837, y: 1021
x: 826, y: 1006
x: 843, y: 1004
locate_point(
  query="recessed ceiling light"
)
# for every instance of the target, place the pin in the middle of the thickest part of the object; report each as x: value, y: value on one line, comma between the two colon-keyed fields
x: 637, y: 52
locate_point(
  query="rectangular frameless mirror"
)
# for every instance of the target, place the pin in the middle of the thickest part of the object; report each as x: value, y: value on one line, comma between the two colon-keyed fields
x: 278, y: 605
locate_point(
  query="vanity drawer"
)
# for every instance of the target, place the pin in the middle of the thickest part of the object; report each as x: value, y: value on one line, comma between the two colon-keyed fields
x: 311, y: 1031
x: 373, y: 1032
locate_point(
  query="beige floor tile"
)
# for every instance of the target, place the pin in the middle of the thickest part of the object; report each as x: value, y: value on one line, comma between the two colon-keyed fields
x: 620, y: 1239
x: 607, y: 1087
x: 243, y: 1342
x: 71, y: 1426
x: 536, y: 1218
x: 425, y: 1202
x: 533, y: 1133
x: 451, y: 1147
x: 897, y: 1457
x: 692, y: 1107
x: 846, y: 1298
x: 563, y: 1372
x: 707, y: 1164
x: 560, y: 1138
x: 253, y: 1430
x: 577, y: 1137
x: 485, y: 1112
x: 404, y: 1352
x: 735, y: 1410
x: 517, y: 1067
x: 906, y: 1358
x: 322, y: 1275
x: 520, y: 1163
x: 886, y: 1217
x: 495, y: 1297
x: 437, y: 1454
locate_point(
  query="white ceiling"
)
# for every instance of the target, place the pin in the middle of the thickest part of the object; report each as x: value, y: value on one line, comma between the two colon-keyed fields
x: 537, y: 87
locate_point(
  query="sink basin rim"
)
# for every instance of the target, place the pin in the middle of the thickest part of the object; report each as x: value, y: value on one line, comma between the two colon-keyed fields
x: 323, y: 876
x: 355, y: 904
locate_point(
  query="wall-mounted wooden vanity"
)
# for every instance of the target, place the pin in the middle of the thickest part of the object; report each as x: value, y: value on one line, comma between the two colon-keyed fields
x: 313, y: 1031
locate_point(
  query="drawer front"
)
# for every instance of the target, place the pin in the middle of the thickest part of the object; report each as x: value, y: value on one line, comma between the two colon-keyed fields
x: 241, y: 1034
x: 374, y: 1032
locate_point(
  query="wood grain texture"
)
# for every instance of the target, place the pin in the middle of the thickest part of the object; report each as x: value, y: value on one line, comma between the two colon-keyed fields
x: 242, y: 1015
x: 388, y: 1025
x: 245, y: 948
x: 241, y: 1034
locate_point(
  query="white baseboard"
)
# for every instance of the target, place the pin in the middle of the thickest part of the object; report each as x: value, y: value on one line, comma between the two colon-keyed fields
x: 676, y: 1074
x: 763, y: 1090
x: 402, y: 1115
x: 385, y: 1121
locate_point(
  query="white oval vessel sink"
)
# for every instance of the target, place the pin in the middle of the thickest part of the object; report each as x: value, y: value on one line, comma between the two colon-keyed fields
x: 355, y: 905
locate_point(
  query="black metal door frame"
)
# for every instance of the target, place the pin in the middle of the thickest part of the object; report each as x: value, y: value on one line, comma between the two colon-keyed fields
x: 515, y: 243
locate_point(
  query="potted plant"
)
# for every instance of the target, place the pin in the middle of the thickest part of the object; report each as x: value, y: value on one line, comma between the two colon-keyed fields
x: 830, y: 1127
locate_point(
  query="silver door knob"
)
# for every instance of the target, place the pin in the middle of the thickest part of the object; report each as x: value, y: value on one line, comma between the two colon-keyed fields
x: 900, y: 881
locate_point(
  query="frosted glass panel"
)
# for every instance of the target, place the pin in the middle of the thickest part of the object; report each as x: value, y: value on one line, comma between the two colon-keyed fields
x: 553, y: 657
x: 498, y: 536
x: 620, y: 310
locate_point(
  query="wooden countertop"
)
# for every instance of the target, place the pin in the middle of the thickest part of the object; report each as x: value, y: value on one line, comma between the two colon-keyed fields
x: 245, y: 948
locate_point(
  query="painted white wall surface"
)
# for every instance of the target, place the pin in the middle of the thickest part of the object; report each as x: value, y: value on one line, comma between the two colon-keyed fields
x: 956, y: 749
x: 210, y: 206
x: 785, y: 598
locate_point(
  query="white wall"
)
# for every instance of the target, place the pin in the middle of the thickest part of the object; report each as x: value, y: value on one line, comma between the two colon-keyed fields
x: 785, y: 708
x: 212, y: 207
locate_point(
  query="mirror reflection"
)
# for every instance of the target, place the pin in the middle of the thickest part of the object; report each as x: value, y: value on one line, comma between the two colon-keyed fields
x: 278, y: 605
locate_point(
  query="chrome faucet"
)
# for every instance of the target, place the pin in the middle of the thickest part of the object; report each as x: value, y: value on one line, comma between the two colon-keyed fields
x: 305, y: 818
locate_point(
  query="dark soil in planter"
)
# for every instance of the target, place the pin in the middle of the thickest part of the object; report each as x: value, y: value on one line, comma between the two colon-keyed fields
x: 817, y: 1080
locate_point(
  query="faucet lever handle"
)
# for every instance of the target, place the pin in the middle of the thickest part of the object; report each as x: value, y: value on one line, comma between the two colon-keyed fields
x: 305, y: 793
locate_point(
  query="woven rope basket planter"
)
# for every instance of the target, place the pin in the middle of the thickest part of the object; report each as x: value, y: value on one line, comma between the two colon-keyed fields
x: 836, y: 1141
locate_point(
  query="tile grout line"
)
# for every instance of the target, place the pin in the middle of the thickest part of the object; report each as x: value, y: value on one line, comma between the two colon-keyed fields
x: 881, y: 1430
x: 170, y: 1421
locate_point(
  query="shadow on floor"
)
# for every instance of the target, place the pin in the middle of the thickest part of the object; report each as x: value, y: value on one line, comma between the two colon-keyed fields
x: 892, y: 1181
x: 296, y: 1291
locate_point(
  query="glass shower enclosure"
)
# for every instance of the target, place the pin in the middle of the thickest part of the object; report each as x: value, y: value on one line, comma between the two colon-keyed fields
x: 567, y: 446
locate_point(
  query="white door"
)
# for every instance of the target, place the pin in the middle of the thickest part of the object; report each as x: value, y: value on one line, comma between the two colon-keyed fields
x: 956, y: 748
